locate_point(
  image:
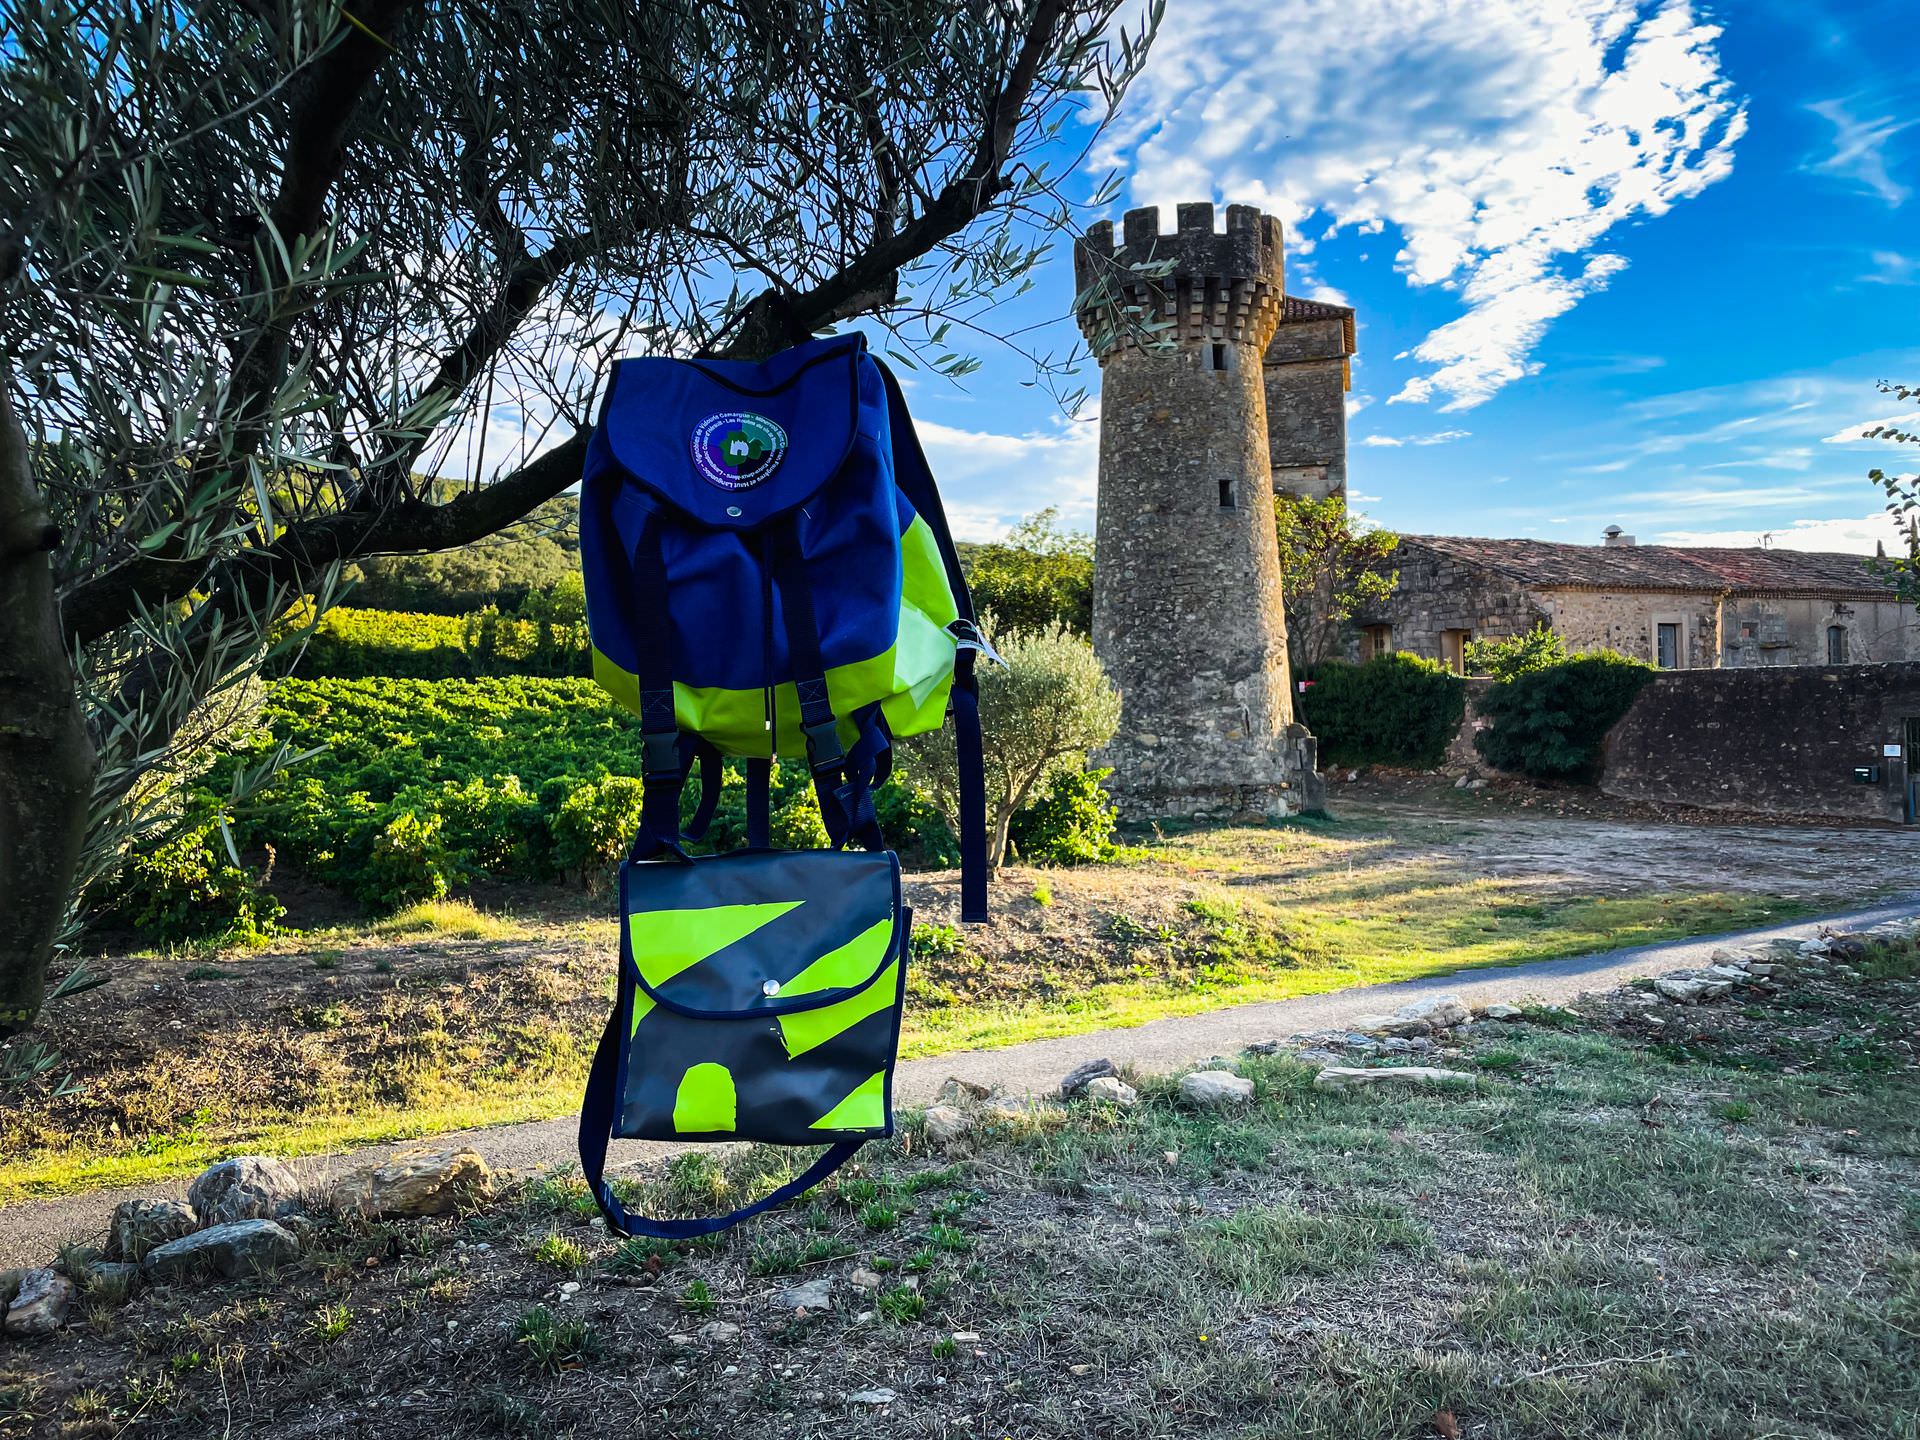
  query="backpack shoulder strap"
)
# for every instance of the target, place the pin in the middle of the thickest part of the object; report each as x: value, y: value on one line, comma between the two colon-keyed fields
x: 915, y: 479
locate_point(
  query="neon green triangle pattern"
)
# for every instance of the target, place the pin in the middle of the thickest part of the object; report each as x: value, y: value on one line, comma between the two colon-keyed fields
x: 665, y: 942
x: 847, y: 964
x: 864, y: 1109
x: 707, y: 1101
x: 807, y: 1028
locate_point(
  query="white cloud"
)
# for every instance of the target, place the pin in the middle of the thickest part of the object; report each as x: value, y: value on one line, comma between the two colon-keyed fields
x: 1438, y: 437
x: 1890, y: 267
x: 1859, y: 148
x: 1858, y: 536
x: 1502, y: 140
x: 989, y: 482
x: 1908, y: 420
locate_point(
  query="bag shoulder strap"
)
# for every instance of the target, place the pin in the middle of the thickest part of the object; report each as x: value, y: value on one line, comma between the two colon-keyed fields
x: 915, y: 479
x: 596, y: 1129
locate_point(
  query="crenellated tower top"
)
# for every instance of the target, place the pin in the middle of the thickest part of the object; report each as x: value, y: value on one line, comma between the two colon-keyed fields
x: 1209, y: 286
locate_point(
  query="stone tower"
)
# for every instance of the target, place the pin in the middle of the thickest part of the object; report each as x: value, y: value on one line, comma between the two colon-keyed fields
x: 1308, y: 374
x: 1187, y: 614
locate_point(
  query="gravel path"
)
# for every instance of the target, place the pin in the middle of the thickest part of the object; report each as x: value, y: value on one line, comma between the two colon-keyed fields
x: 32, y: 1231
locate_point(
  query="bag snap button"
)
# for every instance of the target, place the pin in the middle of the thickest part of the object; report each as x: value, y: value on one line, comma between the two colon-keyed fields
x: 772, y: 987
x: 734, y: 511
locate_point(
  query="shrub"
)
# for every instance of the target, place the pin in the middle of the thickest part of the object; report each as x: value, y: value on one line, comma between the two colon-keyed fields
x: 1040, y: 715
x: 1549, y: 723
x: 357, y: 644
x: 409, y: 862
x: 1515, y: 655
x: 1393, y: 710
x: 1071, y: 824
x: 595, y: 825
x: 189, y: 887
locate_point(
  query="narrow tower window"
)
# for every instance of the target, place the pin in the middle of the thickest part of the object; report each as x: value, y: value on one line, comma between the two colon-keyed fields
x: 1218, y: 357
x: 1836, y: 645
x: 1229, y: 495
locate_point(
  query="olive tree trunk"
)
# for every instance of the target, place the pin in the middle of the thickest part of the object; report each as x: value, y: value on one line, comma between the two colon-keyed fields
x: 46, y: 755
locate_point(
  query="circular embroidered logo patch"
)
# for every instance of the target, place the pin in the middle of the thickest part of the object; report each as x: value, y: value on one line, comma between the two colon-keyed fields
x: 737, y: 449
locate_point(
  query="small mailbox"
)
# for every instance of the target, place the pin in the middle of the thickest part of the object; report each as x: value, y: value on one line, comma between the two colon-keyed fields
x: 1866, y: 774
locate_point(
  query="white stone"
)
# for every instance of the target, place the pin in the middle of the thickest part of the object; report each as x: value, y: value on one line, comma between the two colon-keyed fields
x: 139, y: 1225
x: 1215, y: 1089
x: 239, y: 1247
x: 1732, y: 974
x: 1389, y: 1025
x: 719, y: 1332
x: 247, y: 1187
x: 40, y: 1305
x: 1683, y: 988
x: 865, y: 1279
x: 1346, y: 1077
x: 1112, y: 1089
x: 1438, y: 1012
x: 880, y: 1395
x: 946, y: 1124
x: 1503, y: 1012
x: 1081, y: 1076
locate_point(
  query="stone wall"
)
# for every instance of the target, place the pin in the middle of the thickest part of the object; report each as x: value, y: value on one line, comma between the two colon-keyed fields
x: 1792, y: 630
x: 1306, y: 382
x: 1781, y: 740
x: 1624, y: 620
x: 1437, y: 593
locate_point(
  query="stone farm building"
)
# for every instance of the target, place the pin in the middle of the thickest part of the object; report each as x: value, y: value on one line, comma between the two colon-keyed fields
x: 1680, y: 607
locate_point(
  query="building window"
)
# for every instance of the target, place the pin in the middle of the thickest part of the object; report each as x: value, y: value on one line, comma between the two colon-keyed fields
x: 1666, y: 639
x: 1375, y: 640
x: 1836, y: 645
x: 1229, y: 494
x: 1453, y: 650
x: 1216, y: 356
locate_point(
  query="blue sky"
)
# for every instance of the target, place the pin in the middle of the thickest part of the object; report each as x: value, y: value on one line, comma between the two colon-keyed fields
x: 1613, y: 262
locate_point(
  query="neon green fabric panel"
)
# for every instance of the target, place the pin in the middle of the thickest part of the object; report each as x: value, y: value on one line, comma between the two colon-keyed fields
x: 706, y: 1100
x: 848, y: 965
x: 808, y: 1028
x: 864, y: 1109
x: 665, y: 942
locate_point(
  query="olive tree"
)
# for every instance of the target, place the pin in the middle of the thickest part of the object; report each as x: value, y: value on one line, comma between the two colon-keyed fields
x: 1903, y: 494
x: 1040, y: 712
x: 284, y: 285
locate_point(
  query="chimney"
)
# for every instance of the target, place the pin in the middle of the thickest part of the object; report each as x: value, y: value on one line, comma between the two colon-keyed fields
x: 1617, y: 536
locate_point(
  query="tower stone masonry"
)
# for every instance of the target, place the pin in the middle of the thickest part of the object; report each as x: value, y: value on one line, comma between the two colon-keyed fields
x: 1187, y: 614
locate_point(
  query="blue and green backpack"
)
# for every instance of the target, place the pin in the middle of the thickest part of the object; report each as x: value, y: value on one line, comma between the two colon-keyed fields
x: 768, y: 574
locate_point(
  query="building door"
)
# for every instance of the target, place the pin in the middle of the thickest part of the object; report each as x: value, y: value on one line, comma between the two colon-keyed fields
x: 1912, y: 770
x: 1667, y: 638
x: 1453, y: 649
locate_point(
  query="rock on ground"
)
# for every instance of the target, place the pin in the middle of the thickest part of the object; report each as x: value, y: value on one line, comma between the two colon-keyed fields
x: 955, y: 1091
x: 239, y: 1247
x: 1346, y: 1077
x: 247, y: 1187
x: 1215, y: 1089
x: 1502, y: 1012
x: 946, y: 1124
x: 1083, y: 1075
x: 139, y: 1225
x: 878, y: 1396
x: 1112, y: 1089
x: 429, y: 1182
x: 814, y: 1295
x: 1399, y: 1025
x: 719, y: 1332
x: 1439, y: 1012
x: 1684, y: 988
x: 40, y: 1305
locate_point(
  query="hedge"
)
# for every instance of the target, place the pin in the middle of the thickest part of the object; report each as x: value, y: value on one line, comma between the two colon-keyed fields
x: 1393, y: 710
x: 1549, y: 723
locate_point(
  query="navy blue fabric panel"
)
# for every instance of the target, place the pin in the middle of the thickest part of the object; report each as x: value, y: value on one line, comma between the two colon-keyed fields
x: 666, y: 423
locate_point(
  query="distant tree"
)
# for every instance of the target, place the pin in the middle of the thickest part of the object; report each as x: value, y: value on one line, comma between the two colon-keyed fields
x: 1039, y: 575
x: 263, y: 266
x: 502, y: 570
x: 1903, y: 496
x: 1516, y: 654
x: 1332, y: 566
x: 1040, y: 715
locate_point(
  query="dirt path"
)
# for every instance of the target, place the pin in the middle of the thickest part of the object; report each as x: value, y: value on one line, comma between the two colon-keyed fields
x: 32, y: 1232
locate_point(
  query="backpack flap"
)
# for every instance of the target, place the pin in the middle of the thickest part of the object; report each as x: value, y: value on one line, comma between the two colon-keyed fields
x: 733, y: 443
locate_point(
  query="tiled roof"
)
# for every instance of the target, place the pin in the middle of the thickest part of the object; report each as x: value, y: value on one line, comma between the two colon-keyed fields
x: 1548, y: 565
x: 1294, y: 310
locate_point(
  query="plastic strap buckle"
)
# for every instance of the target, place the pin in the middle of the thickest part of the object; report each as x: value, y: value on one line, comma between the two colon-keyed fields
x: 824, y: 750
x: 660, y: 755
